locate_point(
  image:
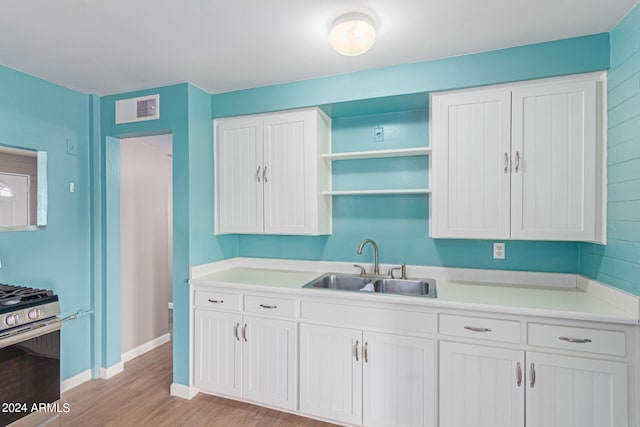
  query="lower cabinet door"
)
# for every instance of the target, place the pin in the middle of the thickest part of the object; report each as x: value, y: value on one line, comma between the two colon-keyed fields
x: 575, y: 392
x: 217, y: 352
x: 269, y: 361
x: 331, y: 373
x: 481, y: 386
x: 398, y: 381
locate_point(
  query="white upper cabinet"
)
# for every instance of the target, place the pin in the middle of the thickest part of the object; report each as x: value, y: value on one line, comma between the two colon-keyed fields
x: 270, y: 174
x: 521, y: 161
x: 554, y: 177
x: 470, y: 188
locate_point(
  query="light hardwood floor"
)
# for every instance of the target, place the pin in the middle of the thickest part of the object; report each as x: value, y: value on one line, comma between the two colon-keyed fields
x: 139, y: 396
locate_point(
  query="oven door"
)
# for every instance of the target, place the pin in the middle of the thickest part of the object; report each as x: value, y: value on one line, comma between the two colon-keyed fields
x: 30, y: 367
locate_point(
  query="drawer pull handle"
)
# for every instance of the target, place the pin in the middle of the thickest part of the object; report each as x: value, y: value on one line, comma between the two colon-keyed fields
x: 215, y: 301
x: 476, y: 329
x: 519, y: 374
x: 268, y: 306
x: 235, y: 331
x: 244, y: 332
x: 575, y: 340
x: 356, y: 348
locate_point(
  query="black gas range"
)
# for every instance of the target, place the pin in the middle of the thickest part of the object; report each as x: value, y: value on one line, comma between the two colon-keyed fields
x: 29, y: 356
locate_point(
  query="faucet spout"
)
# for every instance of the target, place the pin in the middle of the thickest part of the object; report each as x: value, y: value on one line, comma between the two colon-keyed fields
x: 376, y: 266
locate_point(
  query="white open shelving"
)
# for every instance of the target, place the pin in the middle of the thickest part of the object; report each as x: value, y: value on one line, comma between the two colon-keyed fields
x: 374, y: 154
x: 377, y: 154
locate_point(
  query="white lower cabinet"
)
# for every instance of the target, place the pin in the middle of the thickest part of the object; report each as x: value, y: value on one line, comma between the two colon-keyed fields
x: 575, y: 392
x: 362, y: 377
x: 246, y: 356
x: 491, y: 387
x: 217, y: 352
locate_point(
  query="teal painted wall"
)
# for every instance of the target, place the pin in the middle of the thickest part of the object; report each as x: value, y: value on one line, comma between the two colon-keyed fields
x: 39, y: 115
x: 185, y: 111
x: 618, y: 263
x: 400, y: 223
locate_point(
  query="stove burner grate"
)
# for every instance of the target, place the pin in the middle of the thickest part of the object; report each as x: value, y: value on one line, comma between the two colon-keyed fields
x: 11, y: 295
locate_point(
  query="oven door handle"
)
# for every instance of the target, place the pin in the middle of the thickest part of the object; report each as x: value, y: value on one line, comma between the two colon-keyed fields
x: 29, y: 333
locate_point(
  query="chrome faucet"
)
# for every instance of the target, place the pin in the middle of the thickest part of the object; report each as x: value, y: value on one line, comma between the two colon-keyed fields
x: 376, y: 267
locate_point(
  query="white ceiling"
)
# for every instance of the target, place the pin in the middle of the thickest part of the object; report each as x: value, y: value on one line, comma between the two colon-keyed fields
x: 112, y: 46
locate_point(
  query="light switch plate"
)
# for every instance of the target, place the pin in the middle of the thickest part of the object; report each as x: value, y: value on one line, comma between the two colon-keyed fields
x: 498, y: 251
x: 378, y: 134
x: 72, y: 148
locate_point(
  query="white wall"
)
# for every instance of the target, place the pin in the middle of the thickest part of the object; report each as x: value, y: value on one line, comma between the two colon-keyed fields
x: 145, y: 203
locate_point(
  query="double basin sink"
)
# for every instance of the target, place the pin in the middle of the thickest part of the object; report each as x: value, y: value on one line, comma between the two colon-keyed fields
x: 349, y: 282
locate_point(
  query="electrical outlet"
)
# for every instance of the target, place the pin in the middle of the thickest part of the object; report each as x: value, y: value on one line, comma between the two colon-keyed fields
x: 378, y: 134
x: 499, y: 251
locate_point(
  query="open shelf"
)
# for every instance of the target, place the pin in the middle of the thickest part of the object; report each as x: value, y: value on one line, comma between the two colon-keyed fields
x: 375, y: 192
x: 400, y: 152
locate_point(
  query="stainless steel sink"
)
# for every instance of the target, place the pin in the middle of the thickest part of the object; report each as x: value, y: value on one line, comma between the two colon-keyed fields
x: 350, y: 282
x: 340, y: 281
x: 423, y: 287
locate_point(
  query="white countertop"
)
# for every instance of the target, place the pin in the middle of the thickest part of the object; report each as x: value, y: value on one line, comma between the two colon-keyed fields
x: 593, y: 302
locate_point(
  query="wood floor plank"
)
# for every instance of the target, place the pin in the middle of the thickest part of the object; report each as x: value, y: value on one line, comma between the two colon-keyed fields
x: 139, y: 396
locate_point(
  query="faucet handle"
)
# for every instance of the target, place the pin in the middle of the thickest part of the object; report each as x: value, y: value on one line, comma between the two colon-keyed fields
x: 391, y: 270
x: 403, y: 271
x: 363, y: 271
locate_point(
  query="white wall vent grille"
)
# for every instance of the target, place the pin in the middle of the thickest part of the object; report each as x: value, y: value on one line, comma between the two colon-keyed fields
x: 138, y: 109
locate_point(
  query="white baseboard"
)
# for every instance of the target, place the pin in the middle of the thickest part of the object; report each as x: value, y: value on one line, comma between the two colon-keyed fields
x: 184, y: 391
x: 75, y: 381
x: 170, y: 306
x: 142, y: 349
x: 111, y: 371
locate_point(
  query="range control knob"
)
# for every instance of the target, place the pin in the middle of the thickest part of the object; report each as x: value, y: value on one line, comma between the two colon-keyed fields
x: 34, y: 314
x: 11, y: 320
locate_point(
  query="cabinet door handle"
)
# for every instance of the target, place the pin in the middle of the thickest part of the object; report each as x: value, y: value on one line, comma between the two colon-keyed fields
x: 264, y: 174
x: 477, y: 329
x: 258, y: 174
x: 244, y: 332
x: 235, y: 331
x: 366, y: 352
x: 506, y: 162
x: 517, y: 168
x: 519, y: 374
x: 215, y: 301
x: 532, y: 375
x: 268, y: 306
x: 575, y: 340
x: 356, y: 351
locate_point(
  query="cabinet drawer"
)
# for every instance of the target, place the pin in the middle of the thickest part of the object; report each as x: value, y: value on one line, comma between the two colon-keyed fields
x: 577, y: 339
x: 480, y: 327
x: 268, y: 305
x: 219, y: 300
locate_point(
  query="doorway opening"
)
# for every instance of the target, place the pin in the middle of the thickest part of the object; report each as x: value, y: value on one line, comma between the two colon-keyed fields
x: 146, y: 238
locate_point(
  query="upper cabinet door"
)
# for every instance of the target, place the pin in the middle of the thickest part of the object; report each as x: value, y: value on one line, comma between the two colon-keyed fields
x: 470, y: 167
x: 554, y: 162
x: 290, y: 178
x: 239, y: 163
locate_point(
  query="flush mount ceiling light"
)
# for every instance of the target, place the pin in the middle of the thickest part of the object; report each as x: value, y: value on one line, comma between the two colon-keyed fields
x: 352, y: 34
